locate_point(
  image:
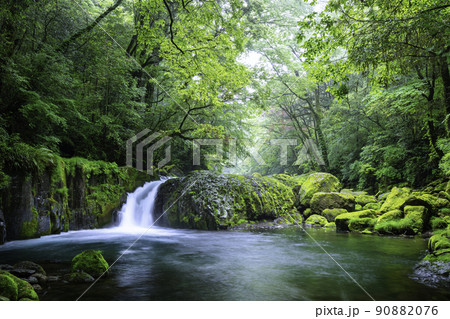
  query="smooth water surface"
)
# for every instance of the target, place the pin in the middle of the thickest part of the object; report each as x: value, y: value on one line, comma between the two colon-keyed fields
x: 285, y: 264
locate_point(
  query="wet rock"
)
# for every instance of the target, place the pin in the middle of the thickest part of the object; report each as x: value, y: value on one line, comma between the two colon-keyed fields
x: 32, y: 280
x: 6, y: 267
x: 29, y: 265
x: 37, y: 287
x: 22, y: 273
x: 91, y: 262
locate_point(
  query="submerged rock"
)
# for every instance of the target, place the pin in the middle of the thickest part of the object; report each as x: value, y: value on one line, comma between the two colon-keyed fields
x: 90, y: 262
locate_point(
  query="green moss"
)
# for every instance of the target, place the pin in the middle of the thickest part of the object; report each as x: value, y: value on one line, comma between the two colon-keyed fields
x: 374, y: 206
x: 331, y: 214
x: 330, y: 225
x: 439, y: 222
x: 318, y: 182
x: 358, y: 208
x: 24, y: 289
x: 342, y: 221
x: 418, y: 216
x: 396, y: 227
x: 396, y: 199
x: 29, y: 228
x: 90, y: 262
x: 8, y: 287
x: 360, y: 224
x: 321, y: 201
x: 439, y: 248
x: 365, y: 199
x: 391, y: 215
x: 316, y: 220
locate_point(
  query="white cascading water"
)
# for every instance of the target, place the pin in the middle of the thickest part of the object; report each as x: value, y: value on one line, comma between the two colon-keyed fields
x: 138, y: 210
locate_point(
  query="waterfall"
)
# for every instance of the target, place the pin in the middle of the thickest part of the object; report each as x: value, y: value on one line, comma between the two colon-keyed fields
x: 138, y: 210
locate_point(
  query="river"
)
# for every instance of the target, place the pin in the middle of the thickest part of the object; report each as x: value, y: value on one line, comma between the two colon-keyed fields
x: 281, y: 264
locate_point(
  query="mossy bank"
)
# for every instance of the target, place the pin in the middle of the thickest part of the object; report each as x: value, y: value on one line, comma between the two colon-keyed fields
x: 63, y: 194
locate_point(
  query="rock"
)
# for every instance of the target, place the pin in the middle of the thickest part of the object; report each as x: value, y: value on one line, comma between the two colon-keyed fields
x: 52, y: 278
x: 321, y: 201
x: 365, y: 199
x: 358, y: 208
x: 8, y: 287
x: 29, y: 265
x: 396, y: 199
x: 330, y: 225
x: 22, y: 273
x: 79, y: 278
x: 361, y: 224
x: 210, y: 201
x: 42, y: 279
x: 307, y: 212
x: 24, y: 289
x: 316, y: 220
x: 32, y: 280
x: 373, y: 206
x: 342, y: 221
x: 4, y: 299
x: 6, y: 267
x: 382, y: 196
x: 318, y: 182
x: 37, y: 287
x: 419, y: 216
x: 391, y: 215
x: 433, y: 273
x: 331, y: 214
x: 432, y: 203
x: 90, y: 262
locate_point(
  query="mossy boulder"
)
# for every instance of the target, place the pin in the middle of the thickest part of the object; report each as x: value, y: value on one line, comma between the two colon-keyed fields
x: 24, y: 289
x: 321, y: 201
x: 396, y: 199
x: 419, y: 216
x: 315, y: 183
x: 330, y: 225
x: 365, y: 199
x: 210, y: 201
x: 90, y: 262
x: 403, y: 226
x: 439, y: 247
x: 375, y: 206
x: 31, y: 266
x: 361, y: 224
x: 391, y: 215
x: 331, y: 214
x: 316, y: 220
x: 8, y: 287
x: 342, y: 221
x: 358, y: 208
x: 432, y: 203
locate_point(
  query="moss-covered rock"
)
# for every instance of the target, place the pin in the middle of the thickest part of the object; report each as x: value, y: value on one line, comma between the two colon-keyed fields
x: 365, y: 199
x: 316, y: 220
x: 342, y: 221
x: 315, y: 183
x: 396, y: 199
x: 419, y: 216
x: 8, y: 287
x: 321, y: 201
x: 24, y: 289
x: 307, y: 212
x: 373, y: 206
x: 391, y: 215
x: 358, y: 208
x: 90, y: 262
x: 30, y: 265
x: 331, y: 214
x: 439, y: 247
x: 361, y: 224
x: 403, y: 226
x: 330, y: 225
x: 210, y: 201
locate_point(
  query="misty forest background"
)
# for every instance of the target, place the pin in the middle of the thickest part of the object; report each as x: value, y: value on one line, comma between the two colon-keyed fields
x: 367, y: 81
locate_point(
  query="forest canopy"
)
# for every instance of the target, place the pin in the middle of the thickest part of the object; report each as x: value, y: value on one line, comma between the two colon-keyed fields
x: 366, y: 82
